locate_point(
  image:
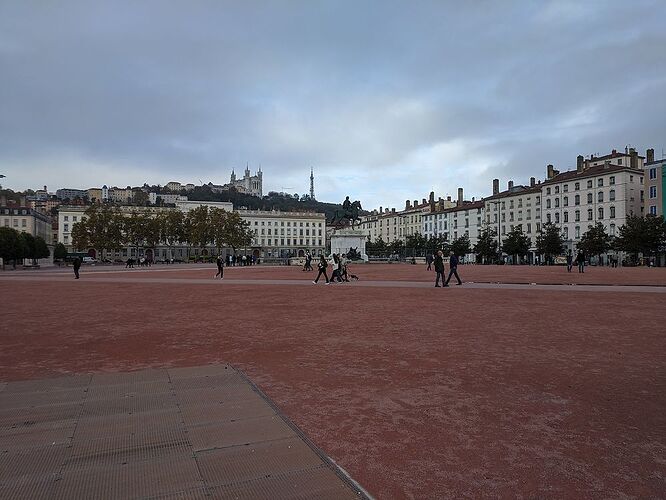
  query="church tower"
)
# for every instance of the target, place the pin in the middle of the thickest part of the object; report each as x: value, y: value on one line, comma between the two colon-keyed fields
x: 312, y: 196
x: 233, y: 175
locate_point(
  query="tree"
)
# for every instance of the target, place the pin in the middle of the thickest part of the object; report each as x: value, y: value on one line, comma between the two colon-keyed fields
x: 219, y: 226
x: 461, y: 246
x: 396, y: 247
x: 139, y: 197
x: 41, y: 248
x: 516, y: 243
x: 549, y: 241
x: 200, y: 230
x: 646, y: 235
x: 595, y: 241
x: 135, y: 230
x: 27, y: 243
x: 378, y: 247
x: 237, y: 231
x: 172, y: 228
x: 10, y: 247
x: 60, y: 252
x: 486, y: 246
x: 100, y: 228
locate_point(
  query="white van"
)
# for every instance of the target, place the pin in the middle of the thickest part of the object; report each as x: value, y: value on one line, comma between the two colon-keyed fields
x: 89, y: 260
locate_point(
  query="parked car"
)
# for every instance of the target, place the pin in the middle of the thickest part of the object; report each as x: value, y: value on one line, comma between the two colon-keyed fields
x: 89, y: 260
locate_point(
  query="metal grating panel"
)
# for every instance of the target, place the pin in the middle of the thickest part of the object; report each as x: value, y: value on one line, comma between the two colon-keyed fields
x: 226, y: 411
x: 111, y: 391
x: 51, y: 384
x: 18, y: 464
x: 212, y: 395
x: 320, y: 483
x: 198, y: 371
x: 130, y: 403
x: 41, y: 398
x: 243, y: 463
x: 132, y: 480
x: 38, y: 414
x: 242, y: 432
x: 149, y: 375
x: 127, y: 423
x: 28, y: 487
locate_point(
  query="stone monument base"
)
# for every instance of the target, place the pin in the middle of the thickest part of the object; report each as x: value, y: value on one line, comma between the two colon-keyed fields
x: 344, y: 239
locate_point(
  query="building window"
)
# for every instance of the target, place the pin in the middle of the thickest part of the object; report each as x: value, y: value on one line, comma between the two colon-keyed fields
x: 653, y: 173
x: 612, y: 229
x: 577, y: 186
x: 557, y: 202
x: 601, y: 212
x: 557, y: 189
x: 557, y: 217
x: 589, y: 184
x: 548, y: 217
x: 548, y: 203
x: 565, y: 201
x: 577, y: 215
x: 612, y: 212
x: 589, y: 198
x: 566, y: 233
x: 611, y: 195
x: 548, y: 191
x: 23, y: 223
x: 577, y: 232
x: 589, y: 214
x: 66, y: 238
x: 529, y: 227
x: 600, y: 196
x: 600, y: 182
x: 66, y: 217
x: 565, y: 188
x: 611, y: 181
x: 631, y: 178
x: 653, y: 209
x: 566, y: 216
x: 577, y: 200
x: 653, y: 192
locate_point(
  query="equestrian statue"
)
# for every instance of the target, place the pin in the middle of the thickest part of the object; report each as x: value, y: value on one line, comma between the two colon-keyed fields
x: 348, y: 215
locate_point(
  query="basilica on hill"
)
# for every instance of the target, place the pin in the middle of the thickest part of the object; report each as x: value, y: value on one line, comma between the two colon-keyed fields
x: 248, y: 184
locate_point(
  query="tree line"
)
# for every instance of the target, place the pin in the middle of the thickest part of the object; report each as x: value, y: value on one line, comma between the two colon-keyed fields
x: 16, y: 247
x: 639, y: 235
x: 105, y: 227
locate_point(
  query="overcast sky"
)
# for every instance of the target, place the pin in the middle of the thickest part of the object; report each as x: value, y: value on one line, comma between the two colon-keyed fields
x: 386, y: 100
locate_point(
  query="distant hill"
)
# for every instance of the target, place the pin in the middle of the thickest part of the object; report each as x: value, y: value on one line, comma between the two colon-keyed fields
x: 272, y: 201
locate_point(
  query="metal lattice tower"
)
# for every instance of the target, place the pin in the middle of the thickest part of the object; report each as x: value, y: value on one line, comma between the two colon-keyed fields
x: 312, y: 196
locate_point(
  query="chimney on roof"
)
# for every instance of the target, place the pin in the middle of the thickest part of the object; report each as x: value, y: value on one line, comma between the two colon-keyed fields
x: 22, y: 202
x: 472, y: 199
x: 509, y: 185
x: 532, y: 181
x: 392, y: 210
x: 416, y: 202
x: 432, y: 197
x: 649, y: 155
x: 495, y: 186
x: 407, y: 205
x: 633, y: 160
x: 448, y: 198
x: 580, y: 161
x: 550, y: 172
x: 460, y: 197
x: 614, y: 152
x: 381, y: 210
x: 607, y: 164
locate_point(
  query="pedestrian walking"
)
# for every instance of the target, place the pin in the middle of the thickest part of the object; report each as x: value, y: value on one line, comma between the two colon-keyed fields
x: 322, y: 270
x: 569, y: 261
x: 77, y: 266
x: 429, y: 260
x: 580, y: 259
x: 453, y: 269
x: 308, y: 259
x: 343, y: 268
x: 220, y: 267
x: 439, y: 267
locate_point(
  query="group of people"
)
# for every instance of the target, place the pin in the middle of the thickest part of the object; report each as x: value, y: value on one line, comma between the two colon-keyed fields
x: 241, y: 260
x: 438, y: 261
x: 339, y: 265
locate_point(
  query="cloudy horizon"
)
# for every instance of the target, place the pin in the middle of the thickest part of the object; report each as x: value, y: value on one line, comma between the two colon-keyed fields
x: 387, y: 100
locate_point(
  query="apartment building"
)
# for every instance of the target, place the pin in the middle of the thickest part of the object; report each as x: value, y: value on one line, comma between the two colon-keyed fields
x: 26, y: 220
x: 518, y: 205
x: 655, y: 184
x: 606, y: 190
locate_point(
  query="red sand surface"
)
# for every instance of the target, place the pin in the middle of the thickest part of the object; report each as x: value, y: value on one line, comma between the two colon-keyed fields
x: 417, y: 393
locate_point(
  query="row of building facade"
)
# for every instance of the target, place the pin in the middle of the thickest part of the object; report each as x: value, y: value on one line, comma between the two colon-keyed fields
x: 604, y: 189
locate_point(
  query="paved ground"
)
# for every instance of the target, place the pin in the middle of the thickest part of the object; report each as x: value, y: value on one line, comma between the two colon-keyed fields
x: 201, y: 432
x: 530, y: 391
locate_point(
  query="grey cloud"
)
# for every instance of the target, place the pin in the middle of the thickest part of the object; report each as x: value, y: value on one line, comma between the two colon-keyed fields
x: 387, y: 100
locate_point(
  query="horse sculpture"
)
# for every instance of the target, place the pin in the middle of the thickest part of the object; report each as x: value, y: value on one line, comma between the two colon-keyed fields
x: 348, y: 215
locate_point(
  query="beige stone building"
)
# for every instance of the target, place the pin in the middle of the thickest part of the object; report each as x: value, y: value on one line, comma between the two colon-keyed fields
x: 655, y: 184
x: 26, y: 220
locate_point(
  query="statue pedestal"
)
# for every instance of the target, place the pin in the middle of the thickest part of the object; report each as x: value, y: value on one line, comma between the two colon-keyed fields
x: 344, y: 239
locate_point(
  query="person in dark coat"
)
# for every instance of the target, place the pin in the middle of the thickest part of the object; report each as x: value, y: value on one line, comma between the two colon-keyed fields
x: 77, y: 266
x: 580, y: 258
x: 439, y: 267
x: 453, y: 265
x: 220, y: 267
x: 569, y: 261
x: 322, y: 270
x: 429, y: 260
